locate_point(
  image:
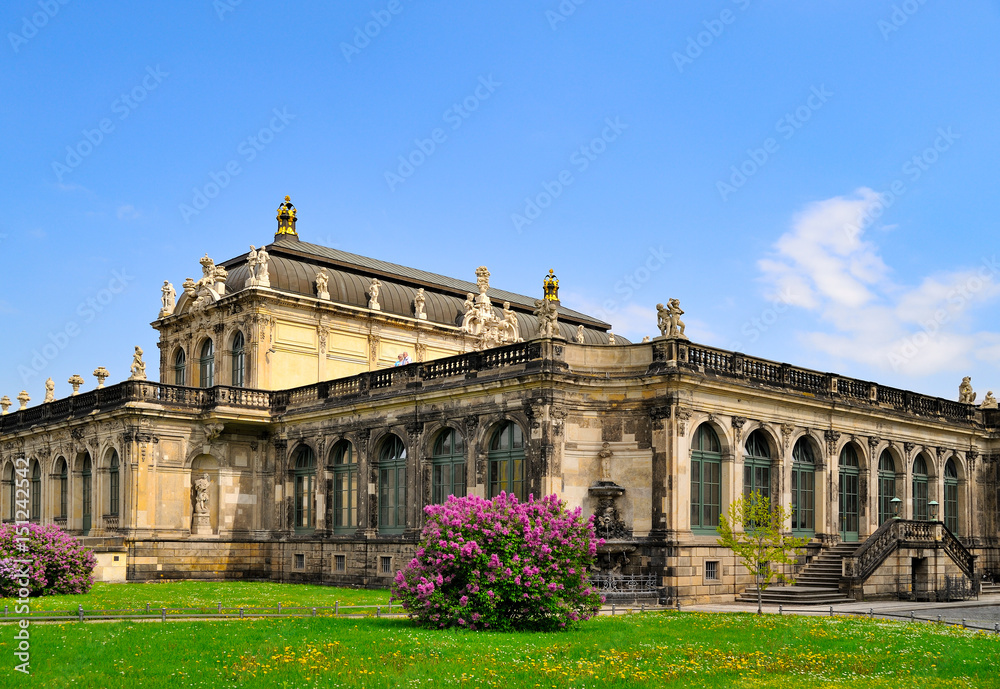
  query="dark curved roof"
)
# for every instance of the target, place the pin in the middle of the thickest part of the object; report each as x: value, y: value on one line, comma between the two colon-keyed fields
x: 293, y: 266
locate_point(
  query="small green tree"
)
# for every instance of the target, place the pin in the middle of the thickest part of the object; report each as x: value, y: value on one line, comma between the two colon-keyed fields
x: 761, y: 542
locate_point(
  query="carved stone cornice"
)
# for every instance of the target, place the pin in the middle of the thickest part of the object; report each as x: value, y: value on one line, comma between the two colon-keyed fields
x: 737, y: 423
x: 831, y: 436
x: 786, y: 433
x: 873, y: 442
x: 683, y: 415
x: 908, y: 450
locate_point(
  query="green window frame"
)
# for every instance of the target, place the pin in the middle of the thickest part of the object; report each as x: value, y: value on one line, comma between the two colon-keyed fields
x: 706, y: 480
x: 63, y: 488
x: 886, y: 486
x: 206, y: 365
x: 87, y: 495
x: 920, y: 484
x: 803, y: 488
x: 36, y: 492
x: 506, y: 460
x: 951, y: 496
x: 448, y: 466
x: 180, y: 368
x: 239, y: 361
x: 345, y: 487
x: 113, y: 483
x: 757, y: 465
x: 304, y: 481
x: 392, y: 485
x: 849, y: 478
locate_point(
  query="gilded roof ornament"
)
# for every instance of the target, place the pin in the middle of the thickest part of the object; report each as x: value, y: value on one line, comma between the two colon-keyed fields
x: 286, y: 219
x: 551, y: 285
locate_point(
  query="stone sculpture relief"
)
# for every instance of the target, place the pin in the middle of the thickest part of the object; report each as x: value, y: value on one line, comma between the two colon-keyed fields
x: 548, y: 318
x: 605, y: 456
x: 373, y: 290
x: 482, y: 322
x: 201, y: 486
x: 418, y: 305
x: 322, y: 284
x: 579, y: 334
x: 50, y: 391
x: 258, y: 271
x: 989, y: 402
x: 965, y: 393
x: 138, y: 367
x: 668, y: 319
x: 168, y: 299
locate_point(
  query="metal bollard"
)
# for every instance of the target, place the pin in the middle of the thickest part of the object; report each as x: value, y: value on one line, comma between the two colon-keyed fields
x: 378, y: 611
x: 147, y: 608
x: 241, y: 613
x: 963, y: 623
x: 911, y: 616
x: 871, y: 613
x: 612, y: 609
x: 779, y: 611
x: 79, y: 611
x: 220, y: 607
x: 831, y: 611
x: 163, y: 614
x: 279, y: 607
x: 678, y: 603
x: 939, y: 619
x: 5, y: 611
x: 996, y: 627
x: 642, y: 608
x: 336, y: 608
x: 390, y: 607
x: 314, y: 612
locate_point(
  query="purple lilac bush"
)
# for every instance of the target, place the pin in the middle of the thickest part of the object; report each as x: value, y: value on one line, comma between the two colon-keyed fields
x: 58, y: 563
x: 501, y: 564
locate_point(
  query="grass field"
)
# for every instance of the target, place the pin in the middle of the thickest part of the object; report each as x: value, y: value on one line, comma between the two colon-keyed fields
x: 206, y: 595
x: 654, y: 650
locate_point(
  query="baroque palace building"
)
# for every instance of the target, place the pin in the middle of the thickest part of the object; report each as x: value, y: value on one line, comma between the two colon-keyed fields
x: 290, y: 438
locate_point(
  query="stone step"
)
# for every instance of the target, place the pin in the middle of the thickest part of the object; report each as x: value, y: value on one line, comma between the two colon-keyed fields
x: 990, y: 588
x: 794, y: 595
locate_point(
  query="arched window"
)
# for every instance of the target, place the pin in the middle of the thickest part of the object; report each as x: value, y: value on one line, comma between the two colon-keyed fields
x: 886, y: 486
x: 920, y: 488
x: 345, y: 487
x: 305, y: 476
x: 706, y: 480
x: 757, y: 465
x: 206, y: 365
x: 63, y: 488
x: 803, y: 488
x: 180, y: 368
x: 36, y: 492
x: 951, y: 496
x: 239, y: 361
x: 448, y: 466
x: 9, y: 485
x: 850, y: 503
x: 113, y: 492
x: 87, y: 487
x: 392, y: 485
x: 506, y: 458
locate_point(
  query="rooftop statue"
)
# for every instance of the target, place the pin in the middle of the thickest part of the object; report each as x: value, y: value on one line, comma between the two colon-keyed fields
x: 965, y: 393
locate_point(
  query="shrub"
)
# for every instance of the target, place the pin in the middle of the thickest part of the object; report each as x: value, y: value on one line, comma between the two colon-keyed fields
x: 500, y: 564
x: 58, y: 563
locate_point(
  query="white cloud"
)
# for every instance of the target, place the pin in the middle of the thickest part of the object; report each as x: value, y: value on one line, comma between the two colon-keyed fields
x: 127, y: 212
x: 825, y: 265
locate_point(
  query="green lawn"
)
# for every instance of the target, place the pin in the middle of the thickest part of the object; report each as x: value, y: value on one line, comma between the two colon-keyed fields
x: 654, y: 649
x: 206, y: 595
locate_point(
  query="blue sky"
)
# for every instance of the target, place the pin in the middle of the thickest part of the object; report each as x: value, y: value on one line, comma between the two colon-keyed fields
x: 814, y: 181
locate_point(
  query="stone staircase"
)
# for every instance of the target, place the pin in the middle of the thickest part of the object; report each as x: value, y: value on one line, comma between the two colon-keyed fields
x: 990, y: 588
x: 817, y: 584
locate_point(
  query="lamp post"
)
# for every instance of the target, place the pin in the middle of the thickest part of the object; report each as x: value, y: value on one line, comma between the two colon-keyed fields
x: 933, y: 506
x: 896, y: 503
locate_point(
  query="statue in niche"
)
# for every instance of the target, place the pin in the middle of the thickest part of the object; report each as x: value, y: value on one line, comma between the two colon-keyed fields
x: 201, y: 486
x: 138, y: 367
x: 373, y: 290
x: 579, y: 334
x: 605, y: 456
x: 322, y: 284
x: 989, y: 402
x: 50, y: 391
x: 419, y: 300
x: 965, y: 393
x: 168, y: 299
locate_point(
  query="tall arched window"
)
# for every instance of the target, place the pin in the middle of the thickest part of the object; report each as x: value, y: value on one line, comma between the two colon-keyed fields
x: 886, y: 486
x: 36, y: 492
x: 63, y: 471
x: 87, y: 488
x: 180, y: 368
x: 206, y: 365
x: 448, y: 466
x: 706, y: 480
x: 803, y: 488
x: 345, y: 487
x: 113, y: 483
x: 757, y: 465
x: 392, y: 485
x: 951, y: 496
x: 305, y: 476
x: 920, y: 488
x: 9, y: 485
x: 506, y: 459
x: 850, y: 504
x: 239, y: 361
